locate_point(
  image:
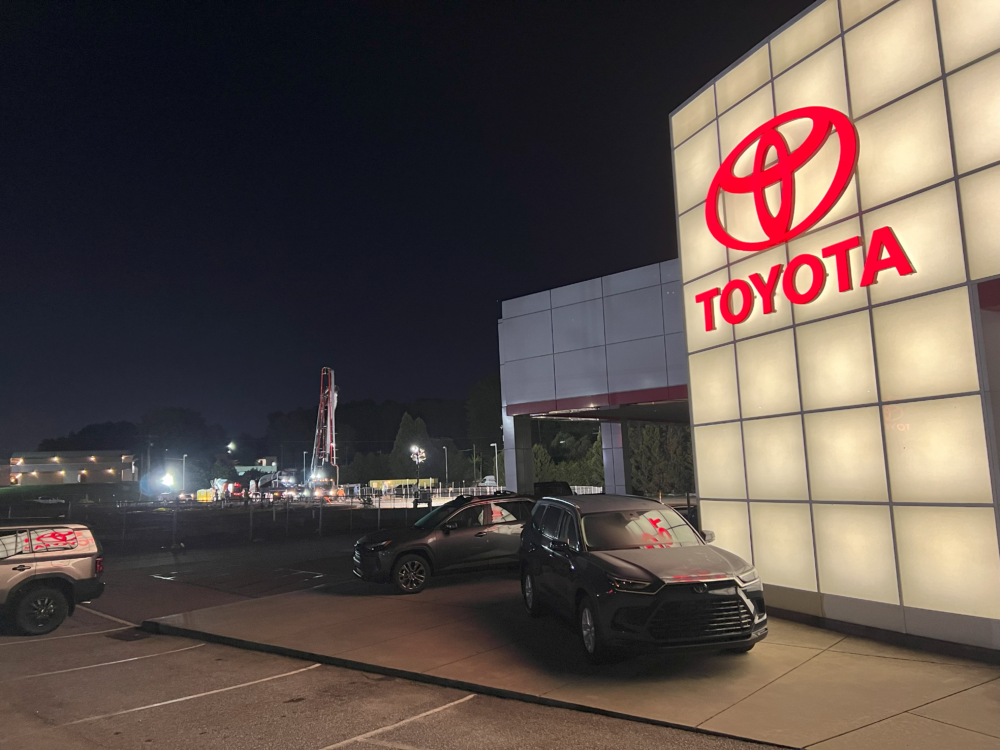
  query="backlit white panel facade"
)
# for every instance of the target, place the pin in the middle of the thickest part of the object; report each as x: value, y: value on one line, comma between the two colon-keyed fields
x: 842, y: 412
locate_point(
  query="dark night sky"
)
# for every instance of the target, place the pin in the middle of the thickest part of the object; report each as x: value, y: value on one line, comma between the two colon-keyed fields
x: 204, y: 203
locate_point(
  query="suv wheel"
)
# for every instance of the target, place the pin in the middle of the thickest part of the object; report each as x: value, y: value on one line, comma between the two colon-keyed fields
x: 529, y: 593
x: 410, y: 574
x: 591, y: 638
x: 40, y: 611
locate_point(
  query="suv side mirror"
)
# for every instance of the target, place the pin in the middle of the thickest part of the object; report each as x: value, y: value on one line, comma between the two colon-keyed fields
x: 708, y: 535
x: 450, y: 526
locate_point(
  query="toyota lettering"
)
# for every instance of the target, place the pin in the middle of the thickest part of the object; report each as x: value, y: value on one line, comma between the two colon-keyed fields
x: 772, y: 169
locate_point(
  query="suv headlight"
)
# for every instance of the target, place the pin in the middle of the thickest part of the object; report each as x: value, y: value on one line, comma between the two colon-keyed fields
x: 628, y: 584
x: 748, y: 577
x: 378, y: 545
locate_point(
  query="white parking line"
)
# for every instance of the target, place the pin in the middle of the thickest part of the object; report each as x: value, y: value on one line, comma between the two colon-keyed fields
x: 107, y: 663
x: 190, y: 697
x: 106, y: 617
x: 366, y: 735
x: 29, y: 641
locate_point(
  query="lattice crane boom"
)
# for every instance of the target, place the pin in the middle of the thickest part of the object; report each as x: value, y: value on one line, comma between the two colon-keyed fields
x: 324, y: 457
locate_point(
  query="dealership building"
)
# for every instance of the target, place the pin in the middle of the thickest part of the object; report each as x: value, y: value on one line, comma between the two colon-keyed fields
x: 831, y: 328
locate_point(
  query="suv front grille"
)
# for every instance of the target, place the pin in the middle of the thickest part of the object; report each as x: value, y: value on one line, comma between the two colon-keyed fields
x: 714, y: 618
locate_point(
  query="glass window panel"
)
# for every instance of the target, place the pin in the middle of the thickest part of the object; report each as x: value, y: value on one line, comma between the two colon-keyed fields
x: 974, y: 98
x: 904, y: 147
x: 695, y: 163
x: 694, y: 116
x: 700, y: 252
x: 845, y: 455
x: 805, y: 35
x: 858, y: 10
x: 927, y: 228
x: 892, y: 54
x: 969, y: 29
x: 831, y: 300
x: 948, y: 560
x: 758, y: 322
x: 731, y: 524
x: 818, y: 81
x: 694, y: 315
x: 980, y: 198
x: 713, y: 385
x: 783, y: 544
x: 744, y: 78
x: 855, y: 553
x: 925, y: 346
x: 740, y: 121
x: 719, y: 461
x: 768, y: 381
x: 836, y: 365
x: 775, y: 458
x: 937, y: 451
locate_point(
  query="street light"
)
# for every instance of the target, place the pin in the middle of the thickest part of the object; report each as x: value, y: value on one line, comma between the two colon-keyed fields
x: 496, y: 463
x: 418, y: 456
x: 168, y: 480
x: 231, y: 447
x: 445, y: 465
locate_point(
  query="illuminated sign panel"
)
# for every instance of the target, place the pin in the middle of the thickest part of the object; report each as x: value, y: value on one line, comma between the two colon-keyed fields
x: 838, y: 200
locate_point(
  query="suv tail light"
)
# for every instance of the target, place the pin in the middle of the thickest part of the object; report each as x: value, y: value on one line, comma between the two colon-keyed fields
x: 99, y: 566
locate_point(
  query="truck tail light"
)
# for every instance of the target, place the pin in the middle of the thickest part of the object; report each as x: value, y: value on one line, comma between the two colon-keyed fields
x: 99, y: 566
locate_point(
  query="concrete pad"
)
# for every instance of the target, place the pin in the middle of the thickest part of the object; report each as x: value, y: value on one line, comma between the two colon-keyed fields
x: 341, y: 636
x: 789, y: 633
x: 977, y: 709
x: 683, y: 689
x: 865, y: 647
x: 835, y: 693
x: 908, y: 732
x: 429, y: 648
x: 794, y: 688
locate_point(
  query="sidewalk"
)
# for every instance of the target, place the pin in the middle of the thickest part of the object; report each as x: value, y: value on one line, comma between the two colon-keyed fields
x: 801, y: 687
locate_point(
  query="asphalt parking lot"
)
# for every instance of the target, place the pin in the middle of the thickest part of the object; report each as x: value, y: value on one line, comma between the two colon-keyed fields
x: 98, y: 682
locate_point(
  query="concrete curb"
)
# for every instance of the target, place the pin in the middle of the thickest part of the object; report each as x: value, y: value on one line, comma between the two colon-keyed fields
x: 160, y: 628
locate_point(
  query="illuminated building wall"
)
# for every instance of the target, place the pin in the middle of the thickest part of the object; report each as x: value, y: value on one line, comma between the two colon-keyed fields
x: 843, y: 416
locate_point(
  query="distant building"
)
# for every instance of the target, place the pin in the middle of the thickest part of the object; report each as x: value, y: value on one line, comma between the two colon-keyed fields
x: 72, y: 467
x: 266, y: 465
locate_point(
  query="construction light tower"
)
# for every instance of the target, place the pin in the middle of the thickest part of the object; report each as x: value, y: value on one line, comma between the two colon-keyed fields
x: 324, y: 458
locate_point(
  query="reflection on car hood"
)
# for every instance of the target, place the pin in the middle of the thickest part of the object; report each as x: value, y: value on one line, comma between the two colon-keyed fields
x: 397, y: 535
x: 675, y: 564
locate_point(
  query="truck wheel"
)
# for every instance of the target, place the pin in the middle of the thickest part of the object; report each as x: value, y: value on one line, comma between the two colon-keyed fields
x: 41, y: 610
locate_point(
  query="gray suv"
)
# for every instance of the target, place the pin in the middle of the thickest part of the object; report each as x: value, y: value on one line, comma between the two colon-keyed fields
x: 45, y: 571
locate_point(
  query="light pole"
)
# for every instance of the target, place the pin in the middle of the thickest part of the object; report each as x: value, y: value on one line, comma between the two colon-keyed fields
x: 304, y: 477
x: 419, y: 456
x: 445, y: 465
x: 496, y: 463
x: 184, y: 473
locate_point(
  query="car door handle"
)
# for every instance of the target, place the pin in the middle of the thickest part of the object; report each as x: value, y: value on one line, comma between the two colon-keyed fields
x: 22, y: 567
x: 480, y: 533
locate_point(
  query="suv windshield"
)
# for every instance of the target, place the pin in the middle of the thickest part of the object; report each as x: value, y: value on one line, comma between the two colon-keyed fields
x: 440, y: 513
x: 636, y: 529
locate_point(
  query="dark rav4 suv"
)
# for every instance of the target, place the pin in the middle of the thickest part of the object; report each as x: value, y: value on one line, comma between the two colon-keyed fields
x: 631, y: 570
x: 464, y: 533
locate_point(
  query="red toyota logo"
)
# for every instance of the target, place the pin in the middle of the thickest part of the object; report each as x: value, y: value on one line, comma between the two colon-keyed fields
x: 778, y: 227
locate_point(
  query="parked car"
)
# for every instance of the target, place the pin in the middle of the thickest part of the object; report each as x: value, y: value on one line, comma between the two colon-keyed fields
x: 632, y: 571
x: 422, y: 497
x: 464, y: 533
x: 45, y: 571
